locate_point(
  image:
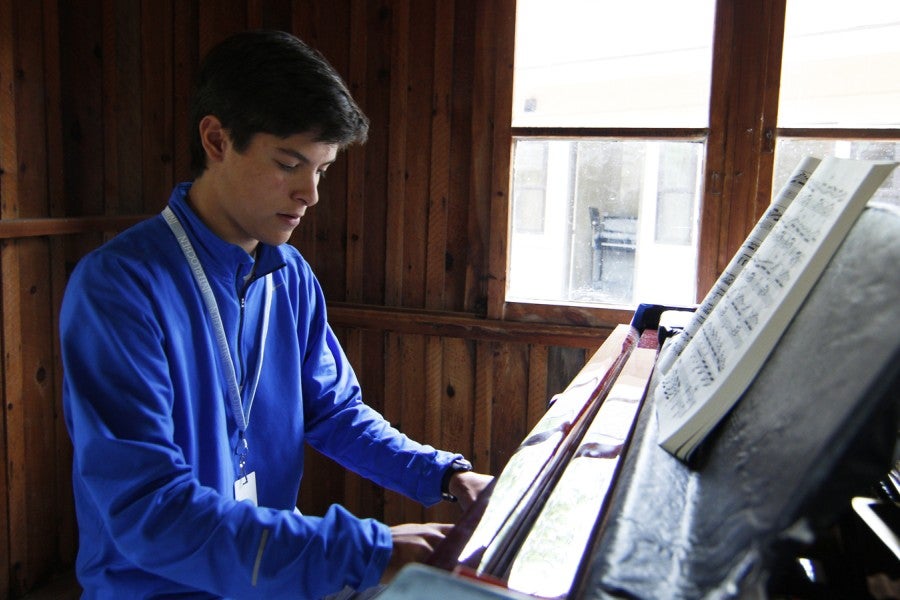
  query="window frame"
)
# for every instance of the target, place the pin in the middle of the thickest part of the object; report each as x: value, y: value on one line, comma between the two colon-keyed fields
x: 738, y: 164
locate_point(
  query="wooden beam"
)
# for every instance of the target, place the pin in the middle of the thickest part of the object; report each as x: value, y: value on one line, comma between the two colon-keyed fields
x: 23, y: 228
x: 456, y: 325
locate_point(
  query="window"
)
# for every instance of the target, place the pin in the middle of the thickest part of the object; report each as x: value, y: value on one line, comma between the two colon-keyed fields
x: 619, y: 220
x: 613, y: 101
x: 840, y: 85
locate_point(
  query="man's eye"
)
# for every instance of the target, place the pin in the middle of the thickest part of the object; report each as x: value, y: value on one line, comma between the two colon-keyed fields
x: 285, y: 167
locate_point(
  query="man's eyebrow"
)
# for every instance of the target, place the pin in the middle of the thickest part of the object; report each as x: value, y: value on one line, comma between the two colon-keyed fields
x: 294, y: 153
x: 300, y: 156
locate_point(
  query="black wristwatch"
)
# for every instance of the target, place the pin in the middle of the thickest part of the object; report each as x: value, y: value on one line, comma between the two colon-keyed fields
x: 457, y: 466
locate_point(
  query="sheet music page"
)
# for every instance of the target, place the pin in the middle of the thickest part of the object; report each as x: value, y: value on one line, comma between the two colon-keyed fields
x: 795, y: 183
x: 727, y: 350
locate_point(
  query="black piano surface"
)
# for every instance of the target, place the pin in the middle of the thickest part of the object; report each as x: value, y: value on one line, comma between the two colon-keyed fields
x: 764, y: 509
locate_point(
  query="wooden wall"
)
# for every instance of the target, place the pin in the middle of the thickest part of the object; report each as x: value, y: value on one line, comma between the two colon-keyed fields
x: 408, y: 239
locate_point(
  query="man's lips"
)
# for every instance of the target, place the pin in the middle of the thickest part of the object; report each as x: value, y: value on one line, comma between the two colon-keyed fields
x: 290, y: 218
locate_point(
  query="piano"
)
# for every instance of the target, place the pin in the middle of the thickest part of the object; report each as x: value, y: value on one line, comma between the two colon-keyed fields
x: 590, y: 506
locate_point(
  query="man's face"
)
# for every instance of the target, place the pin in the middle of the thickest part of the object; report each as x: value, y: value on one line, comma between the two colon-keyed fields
x: 262, y: 193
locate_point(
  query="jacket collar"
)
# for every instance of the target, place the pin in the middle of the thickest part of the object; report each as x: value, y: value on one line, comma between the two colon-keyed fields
x: 218, y: 256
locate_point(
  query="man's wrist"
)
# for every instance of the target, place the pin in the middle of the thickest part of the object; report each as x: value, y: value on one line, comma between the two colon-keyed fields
x: 460, y: 465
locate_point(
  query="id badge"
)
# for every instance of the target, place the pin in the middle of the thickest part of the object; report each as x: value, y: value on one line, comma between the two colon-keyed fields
x: 245, y: 488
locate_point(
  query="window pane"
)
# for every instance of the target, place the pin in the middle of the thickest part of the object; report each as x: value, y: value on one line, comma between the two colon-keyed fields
x: 789, y: 151
x: 585, y: 63
x: 618, y: 222
x: 841, y: 64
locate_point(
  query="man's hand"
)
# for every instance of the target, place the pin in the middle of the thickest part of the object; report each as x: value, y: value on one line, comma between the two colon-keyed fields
x: 413, y: 542
x: 466, y: 485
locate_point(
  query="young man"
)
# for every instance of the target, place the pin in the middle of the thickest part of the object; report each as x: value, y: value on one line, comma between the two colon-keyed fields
x: 198, y: 361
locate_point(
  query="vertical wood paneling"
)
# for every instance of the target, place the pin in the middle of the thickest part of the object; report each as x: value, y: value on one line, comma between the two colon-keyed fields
x: 371, y: 367
x: 59, y: 500
x: 482, y: 426
x: 8, y: 190
x: 332, y: 25
x: 439, y: 168
x: 536, y: 402
x: 32, y: 518
x: 157, y: 97
x: 412, y: 420
x: 356, y: 166
x: 392, y: 411
x: 501, y: 118
x: 397, y: 138
x: 218, y: 19
x: 418, y: 144
x: 32, y: 481
x: 480, y: 174
x: 82, y: 84
x: 186, y: 60
x: 510, y: 398
x: 460, y: 160
x: 433, y: 396
x: 122, y: 85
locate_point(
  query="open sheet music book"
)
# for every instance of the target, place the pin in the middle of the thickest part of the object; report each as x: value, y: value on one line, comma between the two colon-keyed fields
x: 704, y: 375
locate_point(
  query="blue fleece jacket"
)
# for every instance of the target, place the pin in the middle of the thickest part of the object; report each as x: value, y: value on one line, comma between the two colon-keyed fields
x: 146, y: 406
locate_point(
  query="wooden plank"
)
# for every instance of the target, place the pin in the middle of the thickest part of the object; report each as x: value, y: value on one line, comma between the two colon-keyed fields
x: 372, y: 379
x: 464, y: 326
x: 439, y: 168
x: 501, y: 142
x: 186, y: 55
x: 457, y: 409
x: 332, y: 23
x: 63, y: 509
x: 157, y: 99
x: 433, y: 391
x: 361, y: 496
x: 397, y: 154
x: 482, y: 425
x: 537, y: 399
x: 417, y: 161
x: 567, y: 314
x: 218, y: 19
x: 378, y: 108
x: 412, y: 389
x: 393, y: 412
x: 479, y: 223
x: 775, y: 18
x: 269, y: 14
x: 305, y: 26
x: 460, y: 159
x: 31, y: 476
x: 82, y: 76
x: 8, y: 196
x: 23, y: 228
x: 14, y: 418
x: 458, y: 406
x: 563, y: 364
x: 356, y: 164
x: 27, y: 324
x: 508, y: 409
x: 744, y: 62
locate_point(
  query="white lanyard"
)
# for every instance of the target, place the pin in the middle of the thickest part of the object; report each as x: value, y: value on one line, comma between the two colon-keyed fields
x: 234, y: 391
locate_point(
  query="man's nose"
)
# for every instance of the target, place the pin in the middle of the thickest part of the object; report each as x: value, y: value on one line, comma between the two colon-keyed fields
x: 306, y: 191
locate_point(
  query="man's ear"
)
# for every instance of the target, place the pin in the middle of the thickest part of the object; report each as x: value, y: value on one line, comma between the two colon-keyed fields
x: 213, y: 137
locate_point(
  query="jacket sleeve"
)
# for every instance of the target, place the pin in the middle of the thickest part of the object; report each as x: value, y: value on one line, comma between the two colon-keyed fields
x: 342, y: 427
x: 134, y: 479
